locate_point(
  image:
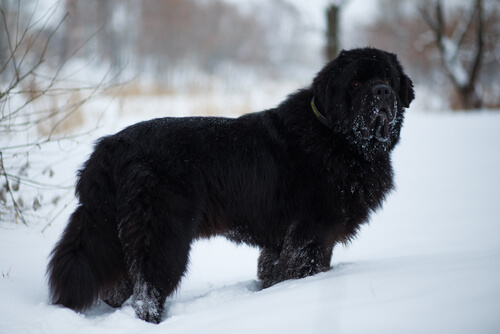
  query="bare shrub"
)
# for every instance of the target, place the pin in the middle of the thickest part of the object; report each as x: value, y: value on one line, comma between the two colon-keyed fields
x: 39, y: 106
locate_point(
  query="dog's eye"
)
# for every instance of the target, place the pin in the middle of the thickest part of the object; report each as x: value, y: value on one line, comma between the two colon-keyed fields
x: 356, y: 84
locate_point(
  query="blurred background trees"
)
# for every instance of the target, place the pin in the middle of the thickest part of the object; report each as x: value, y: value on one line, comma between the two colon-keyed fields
x: 163, y: 40
x: 450, y: 47
x: 463, y: 73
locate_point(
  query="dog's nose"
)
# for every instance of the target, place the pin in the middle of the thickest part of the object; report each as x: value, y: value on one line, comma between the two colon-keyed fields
x: 381, y: 90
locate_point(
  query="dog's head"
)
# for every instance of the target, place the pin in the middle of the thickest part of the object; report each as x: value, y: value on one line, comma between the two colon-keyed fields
x: 363, y: 94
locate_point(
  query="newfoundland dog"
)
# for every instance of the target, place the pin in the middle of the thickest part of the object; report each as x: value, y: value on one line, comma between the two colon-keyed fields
x: 294, y: 181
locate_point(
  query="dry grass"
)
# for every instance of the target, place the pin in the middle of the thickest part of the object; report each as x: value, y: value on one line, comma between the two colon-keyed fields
x: 156, y: 100
x: 136, y: 89
x: 62, y: 118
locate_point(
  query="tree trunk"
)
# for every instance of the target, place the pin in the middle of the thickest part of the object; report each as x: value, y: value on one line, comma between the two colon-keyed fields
x: 469, y: 98
x: 332, y: 35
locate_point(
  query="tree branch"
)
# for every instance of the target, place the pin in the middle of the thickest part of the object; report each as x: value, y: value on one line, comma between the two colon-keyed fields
x: 9, y: 190
x: 463, y: 26
x: 28, y: 39
x: 479, y: 43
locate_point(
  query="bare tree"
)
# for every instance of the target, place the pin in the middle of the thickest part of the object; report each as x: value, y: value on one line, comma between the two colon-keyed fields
x: 37, y: 104
x: 462, y: 68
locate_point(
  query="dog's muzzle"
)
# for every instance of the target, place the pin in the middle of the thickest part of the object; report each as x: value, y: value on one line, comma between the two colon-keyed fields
x: 383, y: 112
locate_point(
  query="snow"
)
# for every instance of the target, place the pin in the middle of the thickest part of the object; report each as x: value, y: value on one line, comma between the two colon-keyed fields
x: 428, y: 262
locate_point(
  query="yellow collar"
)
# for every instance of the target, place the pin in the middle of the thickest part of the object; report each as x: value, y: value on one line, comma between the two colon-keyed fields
x: 318, y: 115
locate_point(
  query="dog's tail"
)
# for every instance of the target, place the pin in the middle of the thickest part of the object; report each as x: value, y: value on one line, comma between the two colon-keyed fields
x: 89, y: 256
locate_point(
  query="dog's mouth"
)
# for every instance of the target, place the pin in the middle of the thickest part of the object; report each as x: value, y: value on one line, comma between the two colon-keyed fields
x: 379, y: 125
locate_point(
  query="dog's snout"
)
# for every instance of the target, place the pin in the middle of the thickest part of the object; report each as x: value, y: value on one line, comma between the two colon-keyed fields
x: 381, y: 90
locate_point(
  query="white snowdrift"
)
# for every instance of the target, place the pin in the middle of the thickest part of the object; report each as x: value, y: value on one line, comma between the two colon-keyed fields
x: 429, y: 262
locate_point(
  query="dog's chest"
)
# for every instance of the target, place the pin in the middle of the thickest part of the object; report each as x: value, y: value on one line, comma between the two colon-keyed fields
x: 357, y: 188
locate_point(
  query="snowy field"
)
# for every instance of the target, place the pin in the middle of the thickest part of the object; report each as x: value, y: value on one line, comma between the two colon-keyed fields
x: 428, y: 262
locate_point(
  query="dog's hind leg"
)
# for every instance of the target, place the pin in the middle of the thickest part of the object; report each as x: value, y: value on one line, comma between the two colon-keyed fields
x: 117, y: 294
x: 156, y: 229
x: 157, y: 260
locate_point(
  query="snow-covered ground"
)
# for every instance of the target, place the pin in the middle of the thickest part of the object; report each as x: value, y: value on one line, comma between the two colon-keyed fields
x: 428, y: 262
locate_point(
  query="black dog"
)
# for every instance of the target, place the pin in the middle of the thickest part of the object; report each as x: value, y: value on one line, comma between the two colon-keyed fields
x: 294, y: 181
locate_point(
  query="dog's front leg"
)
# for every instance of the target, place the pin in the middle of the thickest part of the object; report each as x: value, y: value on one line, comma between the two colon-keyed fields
x: 268, y: 267
x: 300, y: 256
x: 303, y: 255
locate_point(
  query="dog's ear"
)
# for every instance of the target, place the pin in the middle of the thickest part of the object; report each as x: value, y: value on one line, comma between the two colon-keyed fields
x: 406, y: 92
x: 321, y: 81
x: 323, y: 85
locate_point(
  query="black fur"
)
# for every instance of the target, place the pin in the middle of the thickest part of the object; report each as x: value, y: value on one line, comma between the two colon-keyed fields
x: 278, y: 179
